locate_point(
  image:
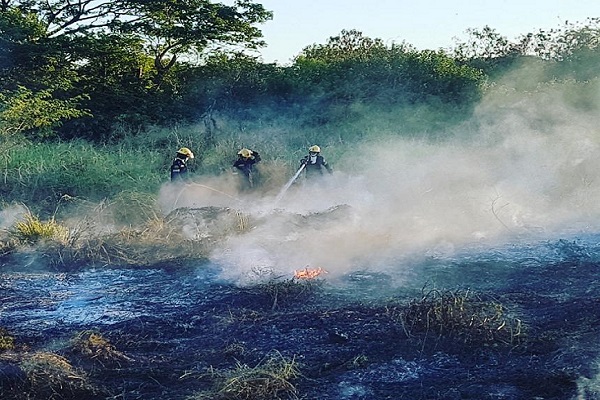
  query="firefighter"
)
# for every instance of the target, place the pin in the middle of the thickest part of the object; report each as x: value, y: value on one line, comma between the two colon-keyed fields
x: 245, y: 164
x: 179, y: 167
x: 314, y: 163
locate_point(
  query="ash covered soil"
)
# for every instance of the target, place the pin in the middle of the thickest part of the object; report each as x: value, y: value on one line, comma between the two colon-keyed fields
x: 181, y: 333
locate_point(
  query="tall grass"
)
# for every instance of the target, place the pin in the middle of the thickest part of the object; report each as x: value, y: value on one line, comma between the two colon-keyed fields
x: 40, y: 174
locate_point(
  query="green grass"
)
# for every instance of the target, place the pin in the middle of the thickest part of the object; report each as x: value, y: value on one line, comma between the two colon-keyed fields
x: 40, y: 174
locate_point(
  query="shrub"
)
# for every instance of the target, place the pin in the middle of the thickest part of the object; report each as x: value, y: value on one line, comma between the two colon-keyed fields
x: 287, y: 291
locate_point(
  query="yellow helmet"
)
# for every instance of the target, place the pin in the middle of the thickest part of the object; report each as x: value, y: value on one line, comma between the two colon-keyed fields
x: 246, y: 153
x: 186, y: 152
x: 314, y: 149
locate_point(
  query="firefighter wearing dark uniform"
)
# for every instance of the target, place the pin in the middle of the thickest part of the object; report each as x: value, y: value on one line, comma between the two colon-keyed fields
x: 245, y: 164
x: 179, y: 168
x: 314, y: 163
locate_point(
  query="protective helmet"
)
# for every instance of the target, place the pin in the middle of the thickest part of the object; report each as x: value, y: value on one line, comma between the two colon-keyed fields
x: 246, y: 153
x: 186, y: 152
x: 314, y: 149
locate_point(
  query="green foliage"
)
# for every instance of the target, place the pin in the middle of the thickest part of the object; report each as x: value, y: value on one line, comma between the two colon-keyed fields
x: 352, y: 69
x: 121, y: 57
x: 35, y: 112
x: 569, y: 51
x: 43, y: 173
x: 176, y: 27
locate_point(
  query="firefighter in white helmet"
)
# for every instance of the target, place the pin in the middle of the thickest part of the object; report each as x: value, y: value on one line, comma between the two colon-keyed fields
x: 245, y: 164
x: 314, y: 163
x: 179, y: 167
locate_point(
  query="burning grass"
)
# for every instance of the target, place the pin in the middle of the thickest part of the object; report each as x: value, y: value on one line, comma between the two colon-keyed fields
x: 309, y: 273
x: 271, y: 379
x: 286, y: 291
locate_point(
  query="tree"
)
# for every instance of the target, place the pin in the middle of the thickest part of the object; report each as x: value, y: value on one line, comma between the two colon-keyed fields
x: 488, y: 50
x: 101, y: 48
x: 27, y: 111
x: 352, y: 68
x: 169, y: 28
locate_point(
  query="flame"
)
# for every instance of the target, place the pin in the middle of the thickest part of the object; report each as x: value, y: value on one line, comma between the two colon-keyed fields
x: 308, y: 273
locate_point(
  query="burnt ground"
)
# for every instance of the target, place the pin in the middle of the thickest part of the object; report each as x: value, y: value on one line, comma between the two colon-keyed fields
x: 344, y: 336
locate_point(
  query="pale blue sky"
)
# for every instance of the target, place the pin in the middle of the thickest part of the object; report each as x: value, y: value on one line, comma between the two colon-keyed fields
x: 426, y: 24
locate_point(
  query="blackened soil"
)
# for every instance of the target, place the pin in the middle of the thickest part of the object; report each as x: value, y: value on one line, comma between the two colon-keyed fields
x: 345, y: 347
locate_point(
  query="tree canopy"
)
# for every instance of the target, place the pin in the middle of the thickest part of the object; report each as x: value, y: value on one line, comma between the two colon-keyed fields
x: 78, y: 68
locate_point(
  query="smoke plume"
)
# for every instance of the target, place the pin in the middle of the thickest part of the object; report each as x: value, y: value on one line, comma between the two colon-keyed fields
x: 527, y: 163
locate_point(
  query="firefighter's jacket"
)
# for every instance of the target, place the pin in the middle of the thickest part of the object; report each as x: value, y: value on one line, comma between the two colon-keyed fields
x: 178, y: 169
x: 315, y: 165
x: 246, y: 164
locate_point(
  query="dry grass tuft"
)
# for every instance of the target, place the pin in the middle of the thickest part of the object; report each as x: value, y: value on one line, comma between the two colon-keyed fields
x: 7, y: 342
x: 269, y: 380
x: 154, y: 242
x: 461, y: 315
x: 95, y: 346
x: 51, y: 376
x: 32, y: 230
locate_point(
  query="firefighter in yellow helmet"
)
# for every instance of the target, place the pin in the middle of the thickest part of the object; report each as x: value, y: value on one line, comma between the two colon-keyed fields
x: 245, y: 164
x: 179, y: 167
x: 314, y: 163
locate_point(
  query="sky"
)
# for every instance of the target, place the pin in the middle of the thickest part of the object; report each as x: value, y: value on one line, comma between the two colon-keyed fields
x: 425, y: 24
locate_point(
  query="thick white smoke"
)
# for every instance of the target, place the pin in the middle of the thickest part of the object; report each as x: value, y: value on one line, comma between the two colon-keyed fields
x: 523, y: 166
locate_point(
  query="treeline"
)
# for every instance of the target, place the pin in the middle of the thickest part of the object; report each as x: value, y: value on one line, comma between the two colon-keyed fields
x: 76, y: 69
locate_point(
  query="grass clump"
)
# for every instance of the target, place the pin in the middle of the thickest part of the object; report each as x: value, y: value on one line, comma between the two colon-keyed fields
x: 271, y: 379
x: 51, y: 376
x: 459, y: 315
x: 32, y: 230
x: 287, y: 291
x: 94, y: 346
x: 7, y: 342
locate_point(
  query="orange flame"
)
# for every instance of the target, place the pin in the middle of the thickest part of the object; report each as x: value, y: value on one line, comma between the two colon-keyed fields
x: 308, y: 273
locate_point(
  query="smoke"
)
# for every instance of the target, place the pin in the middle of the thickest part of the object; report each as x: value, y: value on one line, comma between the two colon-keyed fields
x: 526, y: 164
x: 10, y: 215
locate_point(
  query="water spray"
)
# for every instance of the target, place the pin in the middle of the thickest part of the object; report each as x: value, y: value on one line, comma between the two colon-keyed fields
x: 288, y: 184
